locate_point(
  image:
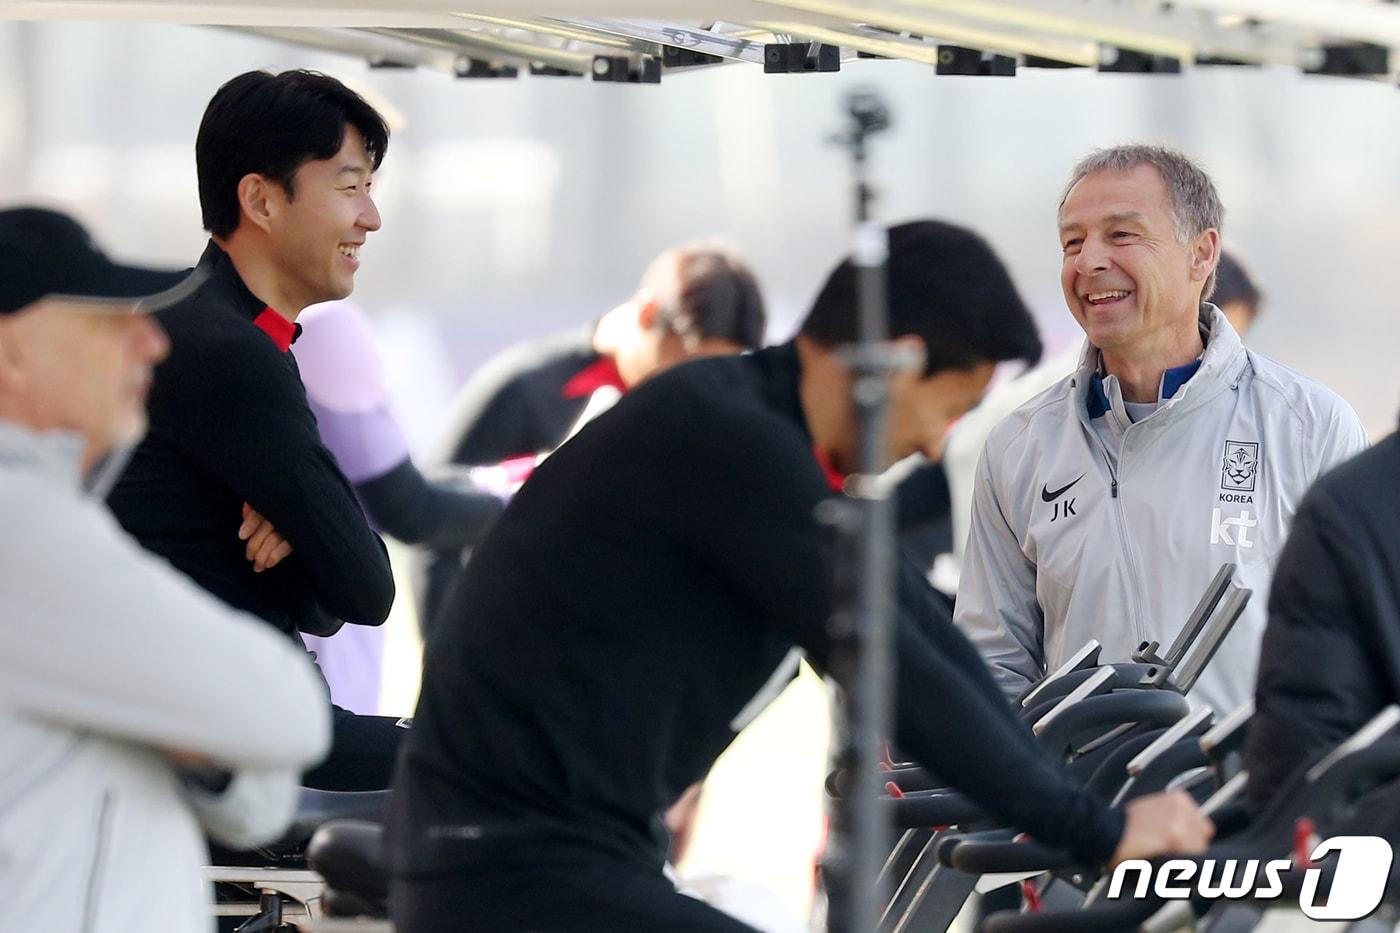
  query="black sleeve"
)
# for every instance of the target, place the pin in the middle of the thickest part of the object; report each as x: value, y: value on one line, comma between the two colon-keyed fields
x: 511, y: 411
x: 922, y: 497
x: 241, y: 413
x: 436, y: 513
x: 489, y: 427
x: 765, y: 541
x: 1321, y: 667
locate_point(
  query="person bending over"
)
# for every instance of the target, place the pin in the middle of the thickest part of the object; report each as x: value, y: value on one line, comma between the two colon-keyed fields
x: 617, y: 627
x: 695, y: 300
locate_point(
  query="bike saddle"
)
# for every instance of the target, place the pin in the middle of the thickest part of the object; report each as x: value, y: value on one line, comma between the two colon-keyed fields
x: 349, y: 854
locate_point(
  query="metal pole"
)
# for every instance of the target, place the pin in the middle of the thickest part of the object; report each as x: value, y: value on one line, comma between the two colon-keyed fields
x: 862, y: 619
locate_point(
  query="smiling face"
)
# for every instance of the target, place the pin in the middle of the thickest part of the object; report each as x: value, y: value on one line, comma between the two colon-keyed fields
x: 317, y: 230
x: 1127, y: 278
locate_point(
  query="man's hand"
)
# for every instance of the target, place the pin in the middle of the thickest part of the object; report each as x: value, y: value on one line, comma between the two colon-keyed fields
x: 266, y: 547
x: 1159, y: 824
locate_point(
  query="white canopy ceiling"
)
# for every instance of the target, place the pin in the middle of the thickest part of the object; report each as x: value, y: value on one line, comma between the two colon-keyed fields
x: 1338, y: 36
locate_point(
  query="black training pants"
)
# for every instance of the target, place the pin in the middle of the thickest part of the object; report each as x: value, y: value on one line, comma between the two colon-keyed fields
x: 580, y: 896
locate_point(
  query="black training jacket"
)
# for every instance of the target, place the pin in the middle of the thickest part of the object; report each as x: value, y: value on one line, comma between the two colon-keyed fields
x: 636, y: 596
x: 516, y: 404
x: 230, y: 424
x: 1331, y: 653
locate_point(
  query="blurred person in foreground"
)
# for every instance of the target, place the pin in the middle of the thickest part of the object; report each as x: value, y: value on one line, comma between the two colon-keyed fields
x: 695, y: 300
x: 233, y: 484
x: 619, y: 626
x: 1105, y: 504
x: 1330, y: 660
x: 135, y: 710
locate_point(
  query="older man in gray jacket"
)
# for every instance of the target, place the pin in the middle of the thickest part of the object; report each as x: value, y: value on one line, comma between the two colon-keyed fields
x: 1105, y: 504
x: 136, y: 711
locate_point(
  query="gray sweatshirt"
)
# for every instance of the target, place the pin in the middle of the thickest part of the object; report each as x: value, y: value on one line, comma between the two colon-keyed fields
x: 109, y: 660
x: 1073, y: 538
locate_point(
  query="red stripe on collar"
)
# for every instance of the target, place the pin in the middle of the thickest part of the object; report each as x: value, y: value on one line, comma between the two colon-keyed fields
x: 282, y: 331
x: 834, y: 477
x: 594, y: 377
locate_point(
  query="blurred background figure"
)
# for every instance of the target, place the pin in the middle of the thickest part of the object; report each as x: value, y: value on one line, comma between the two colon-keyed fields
x: 344, y: 378
x: 1236, y: 293
x: 695, y: 300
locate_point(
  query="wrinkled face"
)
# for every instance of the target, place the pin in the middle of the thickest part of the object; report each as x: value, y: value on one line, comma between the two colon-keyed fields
x: 70, y: 368
x: 318, y: 232
x: 1126, y: 277
x: 921, y: 408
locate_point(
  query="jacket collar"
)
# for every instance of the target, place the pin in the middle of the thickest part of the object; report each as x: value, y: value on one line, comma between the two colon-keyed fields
x: 224, y: 276
x: 53, y: 454
x: 782, y: 388
x: 1183, y: 387
x: 781, y: 366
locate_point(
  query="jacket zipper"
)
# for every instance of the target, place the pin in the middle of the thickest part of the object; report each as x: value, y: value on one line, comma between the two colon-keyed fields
x: 1138, y: 629
x: 92, y: 900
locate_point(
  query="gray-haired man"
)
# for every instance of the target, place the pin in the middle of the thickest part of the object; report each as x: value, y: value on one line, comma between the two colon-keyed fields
x: 1105, y: 504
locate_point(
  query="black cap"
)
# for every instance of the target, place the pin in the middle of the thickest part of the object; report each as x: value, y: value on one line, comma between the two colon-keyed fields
x: 47, y: 254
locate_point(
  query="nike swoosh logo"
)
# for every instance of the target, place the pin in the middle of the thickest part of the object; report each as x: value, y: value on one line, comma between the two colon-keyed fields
x: 1047, y: 496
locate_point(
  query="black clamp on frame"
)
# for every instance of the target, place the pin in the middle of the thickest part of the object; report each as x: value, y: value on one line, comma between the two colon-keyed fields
x: 1127, y: 61
x: 622, y: 70
x: 673, y: 56
x: 786, y: 58
x: 1038, y: 61
x: 477, y: 68
x: 1358, y: 60
x: 549, y: 71
x: 956, y: 60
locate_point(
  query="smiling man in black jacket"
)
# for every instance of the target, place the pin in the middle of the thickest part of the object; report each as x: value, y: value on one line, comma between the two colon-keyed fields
x: 232, y: 484
x: 615, y: 627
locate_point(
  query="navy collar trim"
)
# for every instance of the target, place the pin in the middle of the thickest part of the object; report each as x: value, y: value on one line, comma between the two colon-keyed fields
x: 1172, y: 381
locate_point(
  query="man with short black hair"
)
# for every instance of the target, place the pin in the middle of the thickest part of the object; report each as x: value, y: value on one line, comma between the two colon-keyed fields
x: 1105, y: 504
x: 233, y: 485
x: 135, y: 709
x: 618, y: 627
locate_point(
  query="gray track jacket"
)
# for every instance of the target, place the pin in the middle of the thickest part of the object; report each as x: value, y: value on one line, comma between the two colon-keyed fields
x: 1072, y: 540
x: 109, y: 658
